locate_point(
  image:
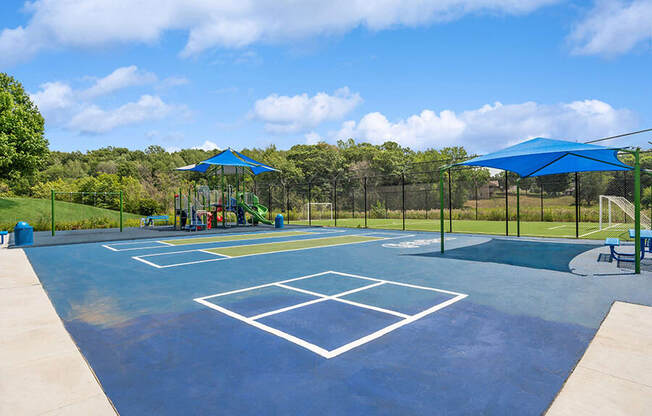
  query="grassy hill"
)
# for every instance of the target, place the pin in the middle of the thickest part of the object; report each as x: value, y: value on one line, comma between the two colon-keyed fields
x: 67, y: 215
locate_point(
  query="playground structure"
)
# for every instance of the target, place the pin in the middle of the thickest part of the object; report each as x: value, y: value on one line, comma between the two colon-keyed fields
x: 204, y: 208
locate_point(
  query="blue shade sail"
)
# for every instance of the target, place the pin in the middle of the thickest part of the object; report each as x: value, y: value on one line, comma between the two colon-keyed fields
x: 538, y: 157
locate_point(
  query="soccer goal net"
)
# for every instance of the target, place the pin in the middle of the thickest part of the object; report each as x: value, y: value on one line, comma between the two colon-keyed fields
x: 318, y: 211
x: 616, y: 212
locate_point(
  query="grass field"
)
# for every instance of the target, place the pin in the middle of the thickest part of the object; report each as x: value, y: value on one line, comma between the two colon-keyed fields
x: 588, y: 230
x: 67, y: 215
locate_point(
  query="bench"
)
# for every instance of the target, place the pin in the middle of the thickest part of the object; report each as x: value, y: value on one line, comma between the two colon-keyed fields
x: 2, y: 236
x: 612, y: 243
x: 152, y: 219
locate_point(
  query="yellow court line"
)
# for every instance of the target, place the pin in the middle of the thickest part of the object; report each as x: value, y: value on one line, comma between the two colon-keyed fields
x: 237, y: 237
x: 293, y: 245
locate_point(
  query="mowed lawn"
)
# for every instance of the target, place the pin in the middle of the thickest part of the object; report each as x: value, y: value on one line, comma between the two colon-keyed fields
x: 37, y: 213
x: 588, y: 230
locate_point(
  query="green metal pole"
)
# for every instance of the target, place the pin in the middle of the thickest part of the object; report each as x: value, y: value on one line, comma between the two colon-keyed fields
x: 180, y: 207
x: 518, y: 207
x: 52, y: 210
x: 223, y: 202
x: 637, y: 212
x: 441, y: 208
x: 120, y: 211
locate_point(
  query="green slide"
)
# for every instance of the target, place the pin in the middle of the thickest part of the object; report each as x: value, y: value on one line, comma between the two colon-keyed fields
x: 259, y: 212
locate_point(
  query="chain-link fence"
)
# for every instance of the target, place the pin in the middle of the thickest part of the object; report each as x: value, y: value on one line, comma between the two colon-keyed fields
x: 592, y: 205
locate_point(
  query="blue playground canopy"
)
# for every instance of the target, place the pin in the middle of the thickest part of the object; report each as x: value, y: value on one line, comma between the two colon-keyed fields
x: 229, y: 158
x: 538, y: 157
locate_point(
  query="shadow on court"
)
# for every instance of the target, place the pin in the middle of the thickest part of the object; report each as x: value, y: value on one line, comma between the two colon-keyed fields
x: 547, y: 256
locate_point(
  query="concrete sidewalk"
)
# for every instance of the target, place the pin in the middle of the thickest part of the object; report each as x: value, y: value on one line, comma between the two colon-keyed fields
x: 41, y: 370
x: 614, y: 377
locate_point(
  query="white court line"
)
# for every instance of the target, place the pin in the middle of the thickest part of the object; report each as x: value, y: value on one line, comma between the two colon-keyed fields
x: 598, y: 230
x: 298, y: 341
x: 133, y: 248
x: 231, y: 292
x: 131, y: 243
x: 344, y: 348
x: 288, y: 308
x: 215, y: 254
x: 390, y: 328
x: 149, y: 263
x: 260, y: 254
x: 300, y: 230
x: 336, y: 297
x: 559, y: 226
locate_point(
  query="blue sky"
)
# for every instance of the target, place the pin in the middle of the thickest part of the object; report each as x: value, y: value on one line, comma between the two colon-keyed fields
x: 477, y: 73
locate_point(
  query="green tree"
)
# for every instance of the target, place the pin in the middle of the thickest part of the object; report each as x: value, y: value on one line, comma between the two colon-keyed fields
x: 23, y: 147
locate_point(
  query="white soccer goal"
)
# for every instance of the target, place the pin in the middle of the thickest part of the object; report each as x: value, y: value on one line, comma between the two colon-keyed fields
x: 617, y: 211
x: 318, y: 211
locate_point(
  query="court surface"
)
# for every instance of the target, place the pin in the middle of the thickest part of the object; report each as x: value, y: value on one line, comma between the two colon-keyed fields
x: 332, y: 321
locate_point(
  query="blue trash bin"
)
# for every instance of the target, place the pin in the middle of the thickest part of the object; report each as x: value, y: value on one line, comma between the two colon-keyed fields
x: 278, y: 221
x: 23, y: 234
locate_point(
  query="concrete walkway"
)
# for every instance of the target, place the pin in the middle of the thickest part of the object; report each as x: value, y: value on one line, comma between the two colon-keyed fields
x: 41, y: 370
x: 614, y: 377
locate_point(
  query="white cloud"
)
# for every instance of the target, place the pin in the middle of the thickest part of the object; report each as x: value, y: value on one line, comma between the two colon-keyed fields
x: 231, y: 23
x: 613, y: 27
x: 74, y: 109
x: 124, y: 77
x: 207, y: 146
x: 284, y: 114
x: 53, y: 99
x: 492, y: 126
x: 93, y: 119
x: 170, y: 82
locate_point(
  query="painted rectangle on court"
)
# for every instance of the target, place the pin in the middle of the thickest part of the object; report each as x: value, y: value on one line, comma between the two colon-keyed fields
x: 329, y: 323
x: 252, y: 249
x: 234, y: 237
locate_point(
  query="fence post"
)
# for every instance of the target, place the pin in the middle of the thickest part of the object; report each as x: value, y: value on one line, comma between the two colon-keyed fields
x: 269, y: 199
x: 335, y: 199
x: 403, y: 197
x: 365, y: 202
x: 309, y: 206
x: 577, y: 206
x: 475, y: 185
x: 518, y: 207
x: 287, y: 202
x: 121, y: 210
x: 541, y: 192
x: 352, y: 202
x: 386, y: 207
x: 425, y: 195
x: 450, y: 201
x: 52, y: 209
x: 506, y: 205
x: 637, y: 211
x: 441, y: 210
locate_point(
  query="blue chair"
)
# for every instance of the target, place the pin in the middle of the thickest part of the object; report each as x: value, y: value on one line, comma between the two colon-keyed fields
x: 2, y: 236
